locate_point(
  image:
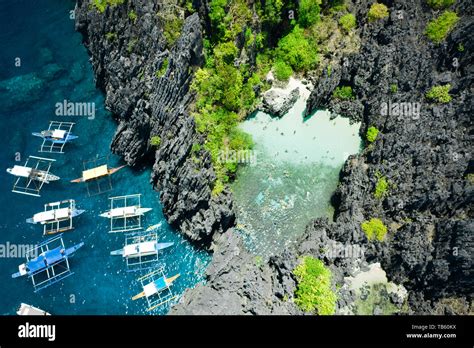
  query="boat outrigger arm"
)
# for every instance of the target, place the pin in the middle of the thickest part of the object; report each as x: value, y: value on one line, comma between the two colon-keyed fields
x: 96, y: 173
x: 32, y: 176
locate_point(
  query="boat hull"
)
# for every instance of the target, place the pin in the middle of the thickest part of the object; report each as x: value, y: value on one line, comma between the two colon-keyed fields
x: 67, y: 253
x: 75, y: 212
x: 139, y: 212
x: 69, y: 137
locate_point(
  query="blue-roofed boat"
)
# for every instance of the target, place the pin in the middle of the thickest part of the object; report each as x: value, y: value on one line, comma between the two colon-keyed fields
x: 46, y: 260
x: 56, y: 136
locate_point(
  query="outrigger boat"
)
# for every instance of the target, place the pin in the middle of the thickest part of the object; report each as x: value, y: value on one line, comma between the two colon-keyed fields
x: 26, y: 309
x: 125, y: 212
x: 57, y: 216
x: 97, y: 172
x: 47, y: 263
x: 156, y: 286
x: 141, y: 249
x: 49, y: 216
x: 57, y: 136
x: 32, y: 176
x: 46, y: 260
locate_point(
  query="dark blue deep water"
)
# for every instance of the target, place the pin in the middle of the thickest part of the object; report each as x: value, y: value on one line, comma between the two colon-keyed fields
x: 55, y: 67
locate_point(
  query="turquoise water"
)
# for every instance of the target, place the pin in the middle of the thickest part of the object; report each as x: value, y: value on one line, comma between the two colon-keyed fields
x: 295, y: 171
x: 55, y: 67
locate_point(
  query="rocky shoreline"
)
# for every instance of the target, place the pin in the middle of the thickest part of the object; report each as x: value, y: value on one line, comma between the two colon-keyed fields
x: 429, y: 244
x: 126, y: 57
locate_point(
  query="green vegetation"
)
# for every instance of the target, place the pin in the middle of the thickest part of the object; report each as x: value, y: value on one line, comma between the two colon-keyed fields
x: 101, y: 5
x: 394, y: 88
x: 375, y: 296
x: 308, y: 12
x: 343, y: 93
x: 297, y: 51
x: 196, y: 148
x: 155, y: 141
x: 336, y: 6
x: 377, y: 11
x: 172, y: 30
x: 272, y: 11
x: 218, y: 188
x: 348, y: 22
x: 437, y: 4
x: 381, y: 187
x: 163, y: 68
x: 226, y: 86
x: 133, y: 16
x: 111, y: 36
x: 470, y: 178
x: 439, y: 94
x: 282, y: 70
x: 223, y: 100
x: 131, y: 45
x: 314, y: 287
x: 188, y: 5
x: 374, y: 229
x: 372, y: 133
x: 439, y: 28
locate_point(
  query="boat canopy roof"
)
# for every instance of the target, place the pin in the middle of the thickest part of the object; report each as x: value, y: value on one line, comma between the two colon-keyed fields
x: 58, y: 133
x: 21, y: 171
x: 154, y: 287
x: 160, y: 283
x: 94, y: 172
x: 139, y: 248
x: 123, y: 211
x: 54, y: 214
x: 43, y: 261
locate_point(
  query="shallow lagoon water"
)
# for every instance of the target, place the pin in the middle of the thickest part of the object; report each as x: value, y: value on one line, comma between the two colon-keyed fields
x: 55, y: 67
x: 295, y: 170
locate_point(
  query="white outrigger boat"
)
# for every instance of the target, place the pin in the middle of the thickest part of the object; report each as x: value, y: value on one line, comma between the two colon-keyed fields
x: 32, y: 176
x: 125, y: 212
x: 26, y: 309
x: 141, y: 249
x: 57, y: 216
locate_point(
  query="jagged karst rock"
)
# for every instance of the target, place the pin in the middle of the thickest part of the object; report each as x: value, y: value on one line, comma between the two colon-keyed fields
x: 125, y: 59
x: 423, y: 156
x: 278, y: 101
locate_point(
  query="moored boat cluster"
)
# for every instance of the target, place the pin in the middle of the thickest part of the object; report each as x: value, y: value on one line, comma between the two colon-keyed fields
x: 47, y: 263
